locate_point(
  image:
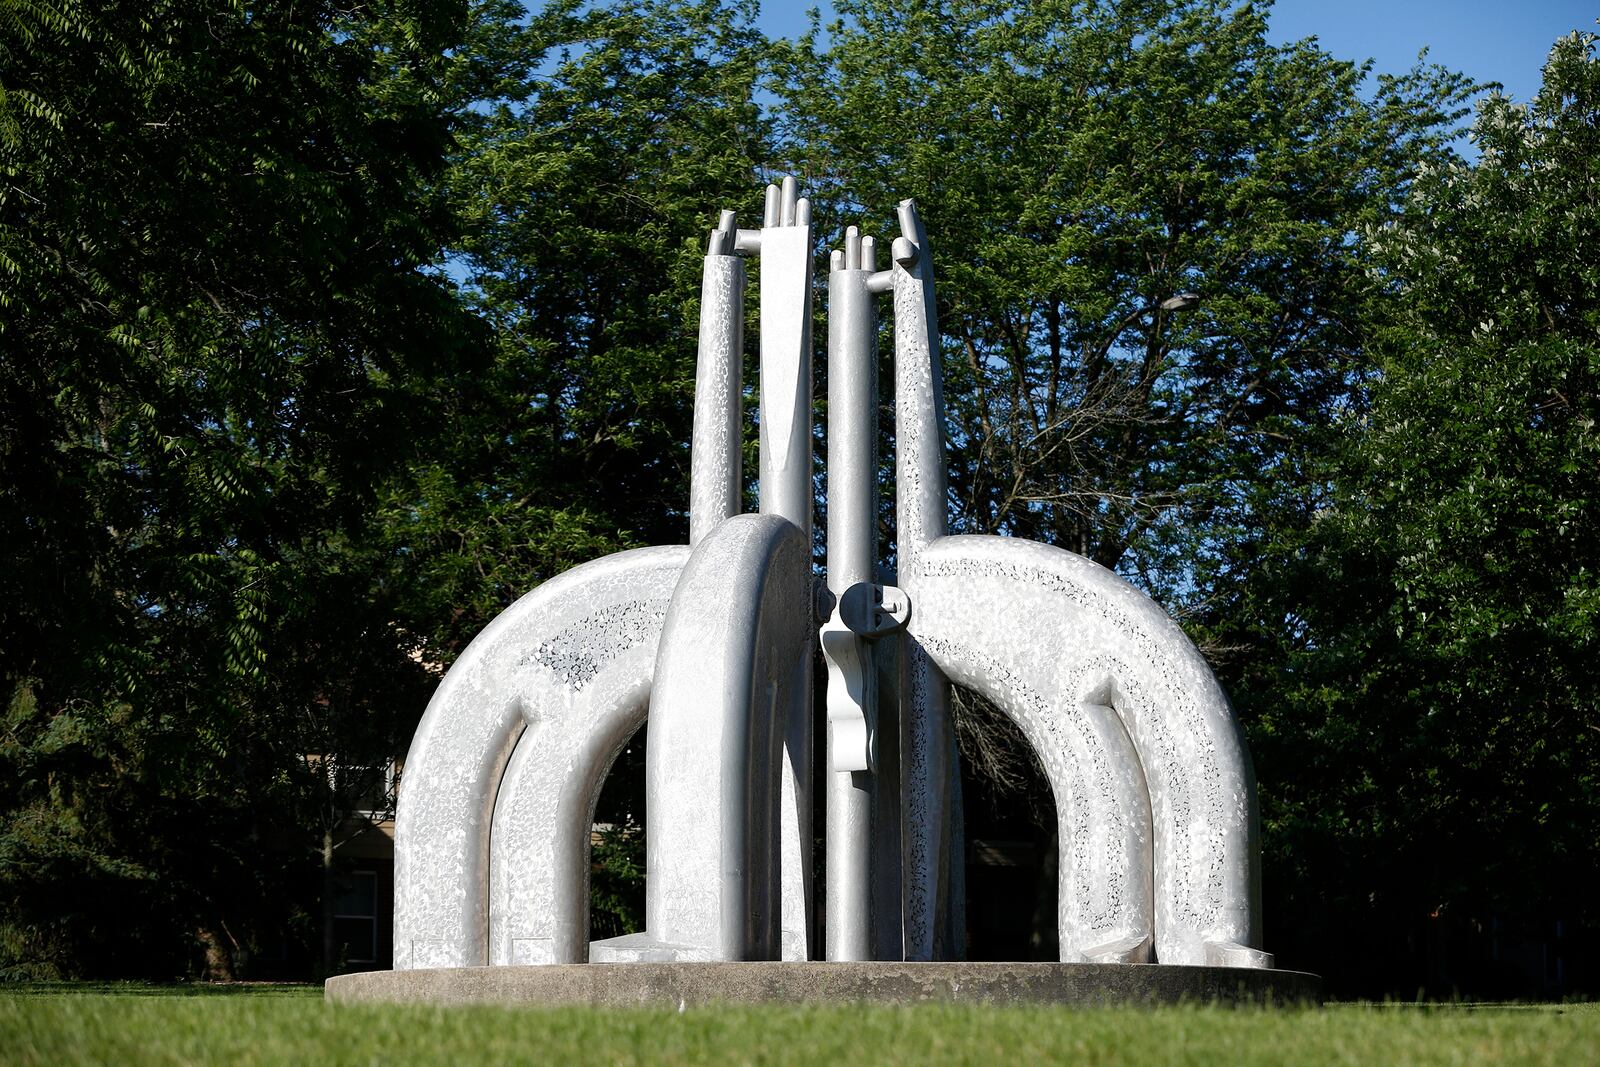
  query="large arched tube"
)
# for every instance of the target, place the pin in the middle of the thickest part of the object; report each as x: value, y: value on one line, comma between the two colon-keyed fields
x: 726, y: 673
x: 1086, y: 664
x: 575, y: 649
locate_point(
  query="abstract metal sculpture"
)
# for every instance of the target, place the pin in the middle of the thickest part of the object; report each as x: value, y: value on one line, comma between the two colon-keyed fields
x: 713, y: 643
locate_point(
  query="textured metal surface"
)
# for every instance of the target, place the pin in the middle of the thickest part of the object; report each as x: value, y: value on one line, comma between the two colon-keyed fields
x: 887, y: 864
x: 539, y: 843
x: 682, y: 985
x: 1153, y: 788
x: 1154, y: 791
x: 1120, y: 706
x: 567, y: 659
x: 724, y: 675
x: 715, y: 484
x: 930, y: 784
x: 971, y: 597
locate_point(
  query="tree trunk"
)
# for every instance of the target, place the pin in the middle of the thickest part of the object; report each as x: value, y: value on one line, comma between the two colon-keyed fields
x: 329, y: 948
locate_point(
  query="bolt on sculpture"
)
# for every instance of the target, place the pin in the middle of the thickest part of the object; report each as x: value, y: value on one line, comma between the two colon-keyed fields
x: 713, y: 643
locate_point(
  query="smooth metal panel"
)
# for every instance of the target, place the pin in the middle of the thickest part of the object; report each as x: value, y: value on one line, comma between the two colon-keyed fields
x: 852, y: 679
x: 725, y: 672
x: 785, y: 480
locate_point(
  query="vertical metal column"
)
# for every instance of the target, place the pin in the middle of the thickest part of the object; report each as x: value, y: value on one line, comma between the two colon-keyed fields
x: 785, y: 248
x: 786, y: 357
x: 932, y: 843
x: 852, y: 681
x: 715, y: 476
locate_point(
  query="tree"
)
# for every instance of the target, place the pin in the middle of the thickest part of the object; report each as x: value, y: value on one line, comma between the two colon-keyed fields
x: 330, y: 329
x: 1436, y: 700
x: 1081, y: 166
x: 586, y: 194
x: 265, y: 470
x: 221, y: 338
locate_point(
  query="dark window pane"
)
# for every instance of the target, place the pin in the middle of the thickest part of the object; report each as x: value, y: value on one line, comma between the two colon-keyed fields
x: 355, y: 939
x: 358, y: 895
x: 366, y: 788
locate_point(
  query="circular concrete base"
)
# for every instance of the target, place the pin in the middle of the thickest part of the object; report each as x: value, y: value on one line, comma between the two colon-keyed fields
x: 677, y: 985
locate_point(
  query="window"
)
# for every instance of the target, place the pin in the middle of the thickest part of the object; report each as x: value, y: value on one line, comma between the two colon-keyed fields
x: 369, y: 791
x: 355, y: 917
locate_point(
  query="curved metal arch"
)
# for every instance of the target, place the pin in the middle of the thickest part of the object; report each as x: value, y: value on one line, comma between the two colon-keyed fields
x: 539, y: 846
x: 728, y: 668
x: 1118, y: 703
x: 726, y: 677
x: 568, y: 659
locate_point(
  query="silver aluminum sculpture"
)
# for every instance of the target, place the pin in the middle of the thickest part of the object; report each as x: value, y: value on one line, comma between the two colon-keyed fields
x: 713, y: 642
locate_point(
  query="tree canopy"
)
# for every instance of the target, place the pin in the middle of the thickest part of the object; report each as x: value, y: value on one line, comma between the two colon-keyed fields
x: 222, y: 337
x: 1427, y: 726
x: 1086, y: 165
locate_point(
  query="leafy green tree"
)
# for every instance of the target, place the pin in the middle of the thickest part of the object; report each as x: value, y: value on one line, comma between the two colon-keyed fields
x: 586, y: 193
x: 1081, y: 164
x: 264, y: 471
x: 221, y: 341
x: 1434, y: 709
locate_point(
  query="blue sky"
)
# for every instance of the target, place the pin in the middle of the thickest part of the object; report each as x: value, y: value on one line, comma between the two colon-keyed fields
x: 1491, y: 40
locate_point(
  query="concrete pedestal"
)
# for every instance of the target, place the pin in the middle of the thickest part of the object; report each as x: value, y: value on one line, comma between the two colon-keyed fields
x: 672, y: 985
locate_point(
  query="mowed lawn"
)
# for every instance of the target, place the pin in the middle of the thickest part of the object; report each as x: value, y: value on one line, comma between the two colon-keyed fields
x: 251, y: 1026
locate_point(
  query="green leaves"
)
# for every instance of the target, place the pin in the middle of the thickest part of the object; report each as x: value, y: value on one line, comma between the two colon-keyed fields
x: 1080, y: 163
x: 219, y: 345
x: 265, y: 470
x: 587, y: 192
x: 1447, y: 587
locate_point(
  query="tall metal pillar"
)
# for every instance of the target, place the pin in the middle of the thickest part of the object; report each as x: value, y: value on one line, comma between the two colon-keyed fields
x: 931, y: 788
x: 785, y: 248
x: 852, y: 677
x: 715, y: 475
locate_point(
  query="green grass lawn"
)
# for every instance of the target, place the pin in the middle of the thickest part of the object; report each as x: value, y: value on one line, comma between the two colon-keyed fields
x: 256, y: 1025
